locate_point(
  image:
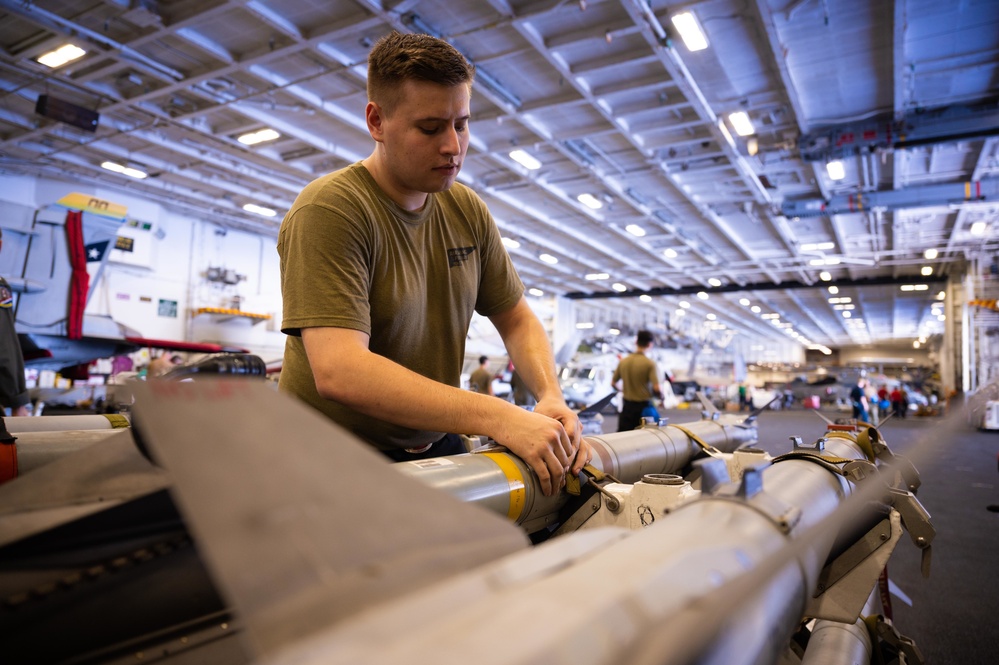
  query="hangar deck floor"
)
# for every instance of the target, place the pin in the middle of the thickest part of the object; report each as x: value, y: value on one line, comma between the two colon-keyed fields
x: 953, y: 617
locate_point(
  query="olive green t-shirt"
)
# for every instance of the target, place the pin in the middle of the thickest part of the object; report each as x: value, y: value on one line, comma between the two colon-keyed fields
x: 640, y: 376
x: 352, y: 258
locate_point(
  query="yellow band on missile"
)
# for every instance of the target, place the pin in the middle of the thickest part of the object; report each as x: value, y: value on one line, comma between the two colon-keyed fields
x: 518, y: 492
x: 117, y: 421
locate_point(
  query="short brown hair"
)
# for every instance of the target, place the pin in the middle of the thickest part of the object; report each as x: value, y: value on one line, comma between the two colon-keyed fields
x: 644, y: 338
x: 398, y: 57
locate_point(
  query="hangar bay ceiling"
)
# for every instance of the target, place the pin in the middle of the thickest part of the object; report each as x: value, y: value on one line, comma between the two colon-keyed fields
x: 808, y: 144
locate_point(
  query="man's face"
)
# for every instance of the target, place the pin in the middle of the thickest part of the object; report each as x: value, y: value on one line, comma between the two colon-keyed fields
x: 424, y: 138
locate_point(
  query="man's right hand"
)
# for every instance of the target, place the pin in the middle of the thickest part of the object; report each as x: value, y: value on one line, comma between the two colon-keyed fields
x: 542, y: 443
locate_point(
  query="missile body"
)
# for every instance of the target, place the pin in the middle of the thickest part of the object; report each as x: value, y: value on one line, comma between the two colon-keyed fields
x: 504, y: 484
x: 19, y: 424
x: 723, y: 579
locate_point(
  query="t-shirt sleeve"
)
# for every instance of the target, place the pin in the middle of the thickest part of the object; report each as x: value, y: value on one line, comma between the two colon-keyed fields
x: 325, y: 272
x: 500, y: 287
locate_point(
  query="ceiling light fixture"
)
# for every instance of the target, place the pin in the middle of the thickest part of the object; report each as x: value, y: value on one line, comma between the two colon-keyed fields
x: 741, y: 123
x: 597, y: 275
x: 670, y: 253
x: 635, y: 230
x: 645, y: 298
x: 817, y: 246
x: 690, y: 31
x: 62, y: 55
x: 978, y: 229
x: 584, y: 326
x: 260, y: 210
x: 590, y: 201
x: 926, y: 271
x: 836, y: 170
x: 124, y: 170
x: 825, y: 276
x: 702, y: 295
x: 755, y: 309
x: 834, y: 290
x: 511, y: 243
x: 525, y: 159
x: 619, y: 287
x: 930, y: 254
x: 714, y: 281
x: 536, y: 292
x: 744, y: 302
x: 253, y: 138
x: 548, y: 258
x: 684, y: 304
x: 710, y: 316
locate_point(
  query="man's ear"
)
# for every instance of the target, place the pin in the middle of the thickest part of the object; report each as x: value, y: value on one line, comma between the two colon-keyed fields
x: 375, y: 118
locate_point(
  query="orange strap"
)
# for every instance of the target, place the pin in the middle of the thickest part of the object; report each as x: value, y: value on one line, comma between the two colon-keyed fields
x: 8, y: 462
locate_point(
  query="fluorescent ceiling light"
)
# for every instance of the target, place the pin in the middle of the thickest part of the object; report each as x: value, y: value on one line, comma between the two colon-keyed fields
x: 836, y: 170
x: 690, y: 31
x: 915, y: 344
x: 645, y: 298
x: 511, y: 243
x: 714, y: 281
x: 619, y: 287
x: 978, y: 229
x: 260, y: 210
x: 635, y: 230
x: 536, y: 292
x: 744, y: 302
x: 710, y: 316
x: 254, y: 138
x: 684, y: 304
x: 124, y: 170
x: 584, y: 326
x: 597, y: 275
x: 941, y: 296
x: 670, y: 253
x: 590, y: 201
x: 847, y: 315
x: 825, y: 276
x: 548, y: 258
x: 755, y: 309
x: 702, y: 295
x: 62, y: 55
x: 941, y: 317
x: 817, y: 246
x: 681, y: 312
x: 834, y: 290
x: 525, y: 159
x: 926, y: 271
x: 930, y: 254
x: 613, y: 331
x: 741, y: 124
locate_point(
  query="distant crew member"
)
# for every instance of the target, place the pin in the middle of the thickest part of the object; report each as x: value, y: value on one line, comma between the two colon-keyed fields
x: 13, y: 387
x: 481, y: 380
x: 640, y: 377
x: 858, y: 398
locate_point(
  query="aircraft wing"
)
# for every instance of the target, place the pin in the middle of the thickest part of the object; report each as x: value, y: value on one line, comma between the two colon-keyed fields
x: 301, y: 523
x: 176, y: 345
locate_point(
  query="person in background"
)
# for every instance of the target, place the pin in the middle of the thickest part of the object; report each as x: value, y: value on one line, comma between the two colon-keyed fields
x: 859, y: 400
x: 383, y: 264
x: 640, y: 378
x: 896, y: 402
x: 13, y: 387
x: 481, y: 381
